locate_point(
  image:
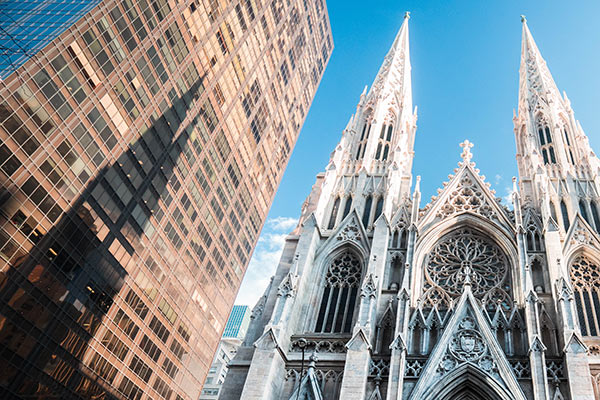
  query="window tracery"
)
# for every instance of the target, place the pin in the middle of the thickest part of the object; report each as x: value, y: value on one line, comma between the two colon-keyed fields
x: 585, y: 276
x: 546, y: 142
x: 340, y: 293
x: 364, y: 137
x: 568, y: 142
x: 384, y: 142
x: 466, y: 254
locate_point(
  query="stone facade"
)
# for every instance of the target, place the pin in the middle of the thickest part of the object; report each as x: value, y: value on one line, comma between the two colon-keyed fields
x: 377, y: 296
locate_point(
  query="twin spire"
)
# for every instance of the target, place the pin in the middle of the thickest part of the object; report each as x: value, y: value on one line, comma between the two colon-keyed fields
x: 393, y: 77
x: 535, y: 78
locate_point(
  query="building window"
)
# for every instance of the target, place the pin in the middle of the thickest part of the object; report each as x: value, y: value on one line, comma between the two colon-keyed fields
x: 568, y: 142
x: 339, y: 294
x: 595, y: 215
x: 347, y: 207
x: 583, y: 211
x: 367, y: 211
x: 384, y: 142
x: 585, y: 276
x: 565, y: 215
x: 364, y: 138
x: 378, y: 208
x: 546, y: 143
x: 334, y: 212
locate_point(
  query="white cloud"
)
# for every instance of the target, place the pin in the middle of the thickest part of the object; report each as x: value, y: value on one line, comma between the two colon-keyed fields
x: 497, y: 178
x: 507, y: 198
x: 265, y: 259
x: 282, y: 223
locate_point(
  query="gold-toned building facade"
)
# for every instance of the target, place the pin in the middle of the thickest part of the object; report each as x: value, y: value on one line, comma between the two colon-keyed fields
x: 139, y: 153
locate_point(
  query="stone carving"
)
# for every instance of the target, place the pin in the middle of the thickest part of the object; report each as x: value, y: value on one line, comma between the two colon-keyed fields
x: 466, y: 256
x: 554, y: 370
x: 581, y: 236
x: 594, y: 350
x: 320, y: 346
x: 369, y: 287
x: 414, y: 368
x: 467, y: 346
x: 467, y: 196
x: 521, y: 368
x: 379, y: 367
x: 344, y: 271
x: 350, y: 232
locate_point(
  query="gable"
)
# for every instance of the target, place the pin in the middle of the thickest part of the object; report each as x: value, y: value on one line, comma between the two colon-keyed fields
x: 467, y: 346
x: 466, y: 192
x: 349, y: 231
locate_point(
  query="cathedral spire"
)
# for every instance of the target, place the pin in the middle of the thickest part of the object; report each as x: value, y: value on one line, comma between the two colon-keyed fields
x: 393, y: 77
x: 536, y: 82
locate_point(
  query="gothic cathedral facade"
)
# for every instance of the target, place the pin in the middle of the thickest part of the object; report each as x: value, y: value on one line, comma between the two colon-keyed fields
x: 378, y: 296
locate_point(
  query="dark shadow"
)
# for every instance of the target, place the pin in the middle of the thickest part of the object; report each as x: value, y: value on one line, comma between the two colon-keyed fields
x: 53, y: 298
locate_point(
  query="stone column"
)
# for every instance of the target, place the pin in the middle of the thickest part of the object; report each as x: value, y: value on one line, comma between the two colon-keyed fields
x: 356, y: 369
x: 267, y: 370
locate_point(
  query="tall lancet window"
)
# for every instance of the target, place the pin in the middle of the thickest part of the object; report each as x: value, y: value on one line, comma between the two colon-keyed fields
x: 347, y: 207
x: 340, y: 293
x: 364, y: 138
x: 378, y: 208
x: 585, y: 276
x: 384, y: 142
x: 367, y: 211
x: 565, y: 215
x: 546, y: 143
x: 595, y: 215
x: 569, y: 149
x: 334, y: 213
x: 583, y: 211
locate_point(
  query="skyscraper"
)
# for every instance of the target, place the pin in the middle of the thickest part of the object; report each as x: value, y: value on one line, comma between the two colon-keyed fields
x: 141, y: 145
x: 234, y: 333
x: 238, y: 321
x: 379, y: 296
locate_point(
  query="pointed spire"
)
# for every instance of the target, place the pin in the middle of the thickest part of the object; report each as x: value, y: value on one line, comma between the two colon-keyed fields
x: 535, y: 77
x: 394, y: 74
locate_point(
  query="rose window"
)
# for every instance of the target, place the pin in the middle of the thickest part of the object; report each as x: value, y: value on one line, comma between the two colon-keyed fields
x: 466, y: 256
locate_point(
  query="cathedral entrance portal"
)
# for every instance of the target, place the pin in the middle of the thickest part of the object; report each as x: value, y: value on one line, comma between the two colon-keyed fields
x: 467, y: 383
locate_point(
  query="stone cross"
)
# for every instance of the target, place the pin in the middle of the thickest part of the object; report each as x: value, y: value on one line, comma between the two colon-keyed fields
x: 466, y: 154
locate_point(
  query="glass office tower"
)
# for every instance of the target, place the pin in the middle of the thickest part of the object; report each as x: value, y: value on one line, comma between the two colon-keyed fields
x: 141, y: 143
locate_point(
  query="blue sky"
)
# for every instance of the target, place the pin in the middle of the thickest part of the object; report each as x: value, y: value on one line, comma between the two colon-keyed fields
x: 465, y: 76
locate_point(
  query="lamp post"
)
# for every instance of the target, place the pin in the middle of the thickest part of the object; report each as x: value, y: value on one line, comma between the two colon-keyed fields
x: 302, y: 344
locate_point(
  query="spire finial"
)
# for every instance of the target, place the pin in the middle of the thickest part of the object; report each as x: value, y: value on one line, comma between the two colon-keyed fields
x: 407, y: 15
x: 523, y: 19
x: 466, y: 153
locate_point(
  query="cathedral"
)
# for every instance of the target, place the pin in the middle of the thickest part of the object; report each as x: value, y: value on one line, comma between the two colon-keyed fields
x: 380, y: 296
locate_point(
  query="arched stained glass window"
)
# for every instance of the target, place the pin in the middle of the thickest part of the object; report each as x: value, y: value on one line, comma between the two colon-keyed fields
x: 340, y: 294
x: 334, y: 213
x: 585, y: 276
x: 458, y: 253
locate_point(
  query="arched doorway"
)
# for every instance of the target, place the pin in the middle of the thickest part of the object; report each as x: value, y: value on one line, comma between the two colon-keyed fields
x: 468, y: 383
